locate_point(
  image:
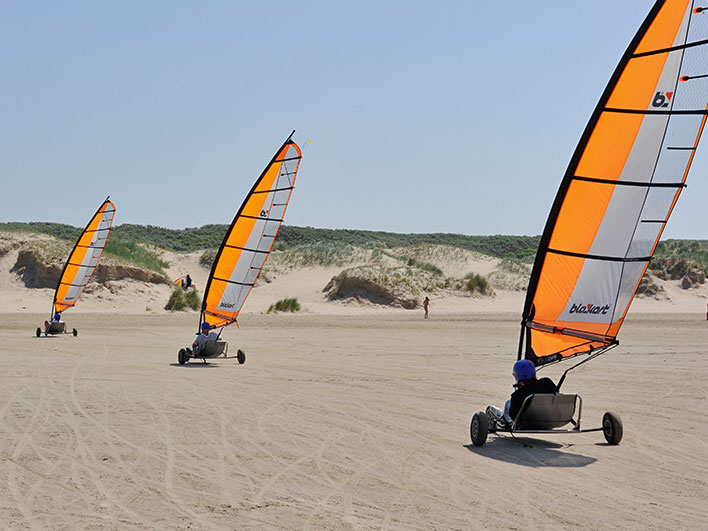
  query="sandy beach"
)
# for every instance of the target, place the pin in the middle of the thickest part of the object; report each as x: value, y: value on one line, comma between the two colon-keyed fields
x: 357, y: 421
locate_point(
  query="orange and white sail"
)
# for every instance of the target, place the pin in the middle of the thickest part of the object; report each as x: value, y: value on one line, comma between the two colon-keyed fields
x: 620, y: 187
x: 84, y: 257
x: 250, y: 238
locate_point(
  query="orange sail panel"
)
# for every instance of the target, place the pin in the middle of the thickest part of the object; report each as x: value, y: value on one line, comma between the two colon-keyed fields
x: 250, y: 238
x: 620, y: 188
x: 84, y: 257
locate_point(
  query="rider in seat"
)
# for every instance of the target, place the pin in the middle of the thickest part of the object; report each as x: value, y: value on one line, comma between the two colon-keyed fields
x: 204, y: 337
x: 55, y: 319
x: 526, y: 384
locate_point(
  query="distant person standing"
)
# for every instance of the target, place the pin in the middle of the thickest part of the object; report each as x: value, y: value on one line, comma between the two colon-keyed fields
x: 426, y: 303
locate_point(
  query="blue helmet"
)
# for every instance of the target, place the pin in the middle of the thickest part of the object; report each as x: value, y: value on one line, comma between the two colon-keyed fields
x: 524, y: 370
x: 206, y: 326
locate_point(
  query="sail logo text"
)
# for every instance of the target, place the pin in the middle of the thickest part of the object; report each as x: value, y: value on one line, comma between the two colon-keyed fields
x: 589, y: 308
x: 227, y: 305
x: 662, y: 99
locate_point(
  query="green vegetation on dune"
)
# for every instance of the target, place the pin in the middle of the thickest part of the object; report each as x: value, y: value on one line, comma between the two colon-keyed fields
x: 181, y: 300
x: 518, y: 247
x: 178, y: 240
x: 51, y: 251
x: 176, y: 302
x: 511, y: 274
x: 122, y: 248
x: 322, y: 254
x: 210, y: 237
x: 285, y: 305
x: 475, y: 282
x: 425, y: 266
x: 132, y: 252
x: 193, y: 299
x: 398, y: 285
x: 322, y: 246
x: 58, y: 230
x: 696, y: 250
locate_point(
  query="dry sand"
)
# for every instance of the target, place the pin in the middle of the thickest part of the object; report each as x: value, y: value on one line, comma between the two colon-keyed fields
x: 356, y: 421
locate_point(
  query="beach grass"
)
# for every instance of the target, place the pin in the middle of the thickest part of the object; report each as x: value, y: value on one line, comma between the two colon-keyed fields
x: 181, y: 300
x: 285, y: 305
x: 476, y: 283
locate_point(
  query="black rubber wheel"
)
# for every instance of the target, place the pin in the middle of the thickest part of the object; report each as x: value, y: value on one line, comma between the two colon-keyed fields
x: 182, y: 356
x: 241, y: 356
x: 479, y: 428
x: 75, y: 332
x: 39, y: 331
x: 612, y: 428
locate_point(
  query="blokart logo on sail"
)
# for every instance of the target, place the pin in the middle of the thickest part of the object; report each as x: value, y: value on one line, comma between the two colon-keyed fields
x: 227, y: 305
x: 589, y: 308
x: 662, y: 99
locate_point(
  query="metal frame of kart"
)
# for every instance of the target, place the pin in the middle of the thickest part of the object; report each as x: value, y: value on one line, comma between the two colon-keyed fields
x: 547, y: 417
x: 55, y: 328
x: 213, y: 349
x: 517, y: 426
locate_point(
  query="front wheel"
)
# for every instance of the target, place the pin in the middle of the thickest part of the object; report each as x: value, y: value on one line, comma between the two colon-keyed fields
x: 479, y: 428
x: 75, y: 332
x: 612, y: 428
x: 39, y: 331
x: 241, y: 357
x: 182, y: 356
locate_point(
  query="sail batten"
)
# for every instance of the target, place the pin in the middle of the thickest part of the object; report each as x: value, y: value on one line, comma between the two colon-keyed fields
x: 633, y: 183
x: 250, y: 238
x: 597, y: 257
x: 659, y: 112
x: 620, y: 188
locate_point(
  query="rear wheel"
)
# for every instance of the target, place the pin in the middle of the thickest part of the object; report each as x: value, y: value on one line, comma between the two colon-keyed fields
x: 241, y: 356
x: 39, y: 331
x: 612, y: 428
x: 479, y: 428
x: 182, y: 356
x: 75, y: 332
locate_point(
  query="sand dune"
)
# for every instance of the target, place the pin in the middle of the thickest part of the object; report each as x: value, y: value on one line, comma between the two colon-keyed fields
x: 285, y: 277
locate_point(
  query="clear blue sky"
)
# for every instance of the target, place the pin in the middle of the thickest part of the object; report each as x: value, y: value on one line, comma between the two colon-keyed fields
x: 450, y: 116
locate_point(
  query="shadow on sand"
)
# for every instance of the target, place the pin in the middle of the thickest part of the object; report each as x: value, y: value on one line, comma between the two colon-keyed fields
x: 525, y: 451
x: 195, y: 365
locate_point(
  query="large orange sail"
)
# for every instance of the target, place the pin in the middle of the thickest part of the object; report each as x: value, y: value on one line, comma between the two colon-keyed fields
x: 84, y: 257
x: 249, y: 239
x: 620, y: 188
